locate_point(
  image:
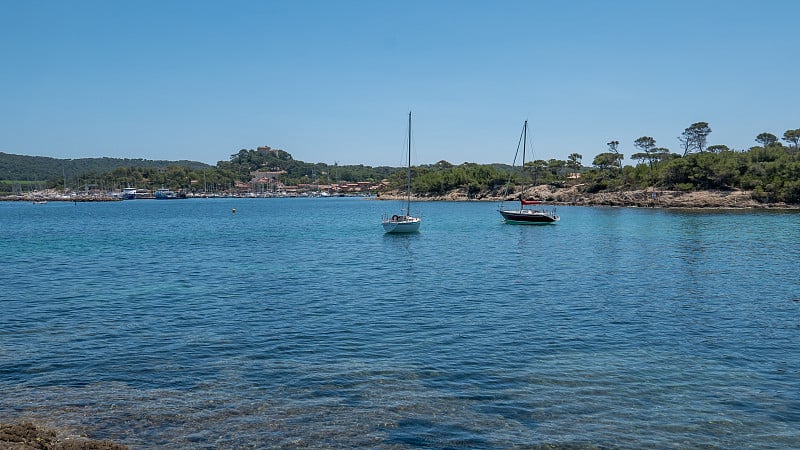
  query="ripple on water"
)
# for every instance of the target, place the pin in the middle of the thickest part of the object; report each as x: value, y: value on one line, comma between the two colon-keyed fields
x: 179, y: 325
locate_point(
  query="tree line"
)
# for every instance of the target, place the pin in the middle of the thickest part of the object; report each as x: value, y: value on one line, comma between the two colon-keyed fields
x: 771, y: 170
x: 19, y: 172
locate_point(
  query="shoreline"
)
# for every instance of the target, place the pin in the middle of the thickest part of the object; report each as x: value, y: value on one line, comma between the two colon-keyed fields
x: 738, y: 200
x: 571, y: 196
x: 79, y: 198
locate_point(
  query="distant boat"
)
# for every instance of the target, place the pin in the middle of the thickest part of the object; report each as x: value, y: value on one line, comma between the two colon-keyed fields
x: 404, y: 222
x: 40, y: 202
x: 144, y: 194
x: 523, y: 215
x: 128, y: 193
x: 167, y: 194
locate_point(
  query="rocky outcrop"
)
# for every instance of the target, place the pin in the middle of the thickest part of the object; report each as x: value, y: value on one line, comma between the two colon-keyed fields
x: 650, y: 198
x: 27, y: 436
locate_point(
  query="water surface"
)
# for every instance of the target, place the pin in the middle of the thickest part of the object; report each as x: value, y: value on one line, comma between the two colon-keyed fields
x: 298, y: 322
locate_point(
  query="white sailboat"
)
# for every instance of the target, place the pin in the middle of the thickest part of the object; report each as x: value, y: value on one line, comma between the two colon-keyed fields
x: 523, y: 215
x: 404, y: 222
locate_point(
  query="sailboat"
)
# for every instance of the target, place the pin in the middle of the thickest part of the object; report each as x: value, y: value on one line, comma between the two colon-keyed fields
x: 531, y: 215
x: 404, y: 222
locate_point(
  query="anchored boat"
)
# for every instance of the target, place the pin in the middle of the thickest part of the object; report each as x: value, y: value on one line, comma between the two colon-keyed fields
x: 530, y: 211
x: 404, y: 222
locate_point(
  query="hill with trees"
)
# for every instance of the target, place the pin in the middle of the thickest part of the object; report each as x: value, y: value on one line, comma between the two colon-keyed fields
x: 19, y: 172
x: 44, y: 172
x: 20, y: 167
x: 770, y: 171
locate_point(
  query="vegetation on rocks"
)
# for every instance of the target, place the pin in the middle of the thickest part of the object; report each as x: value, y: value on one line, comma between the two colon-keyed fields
x: 769, y: 173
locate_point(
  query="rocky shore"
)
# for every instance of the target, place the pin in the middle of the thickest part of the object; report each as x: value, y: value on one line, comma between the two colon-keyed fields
x: 574, y: 196
x: 59, y: 198
x: 27, y: 436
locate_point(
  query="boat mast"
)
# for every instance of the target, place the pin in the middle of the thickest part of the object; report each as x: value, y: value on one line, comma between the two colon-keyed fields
x: 408, y: 177
x: 524, y: 140
x: 524, y: 144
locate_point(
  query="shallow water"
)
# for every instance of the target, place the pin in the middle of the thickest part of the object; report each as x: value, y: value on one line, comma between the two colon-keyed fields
x: 298, y: 322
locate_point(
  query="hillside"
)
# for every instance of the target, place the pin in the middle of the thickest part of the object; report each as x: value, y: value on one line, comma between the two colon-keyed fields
x: 22, y: 167
x: 768, y: 175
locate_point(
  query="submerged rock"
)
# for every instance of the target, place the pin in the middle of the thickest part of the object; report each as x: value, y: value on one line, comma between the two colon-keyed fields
x: 27, y: 436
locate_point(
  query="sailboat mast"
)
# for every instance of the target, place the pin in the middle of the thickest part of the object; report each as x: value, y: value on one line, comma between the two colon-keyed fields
x: 524, y: 145
x: 408, y: 176
x: 524, y: 141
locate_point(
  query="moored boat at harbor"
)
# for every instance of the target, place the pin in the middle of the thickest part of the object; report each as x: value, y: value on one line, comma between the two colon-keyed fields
x: 128, y: 193
x: 168, y: 194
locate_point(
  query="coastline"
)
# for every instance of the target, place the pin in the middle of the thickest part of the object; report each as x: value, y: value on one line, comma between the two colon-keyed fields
x: 59, y: 198
x: 643, y: 198
x: 569, y: 196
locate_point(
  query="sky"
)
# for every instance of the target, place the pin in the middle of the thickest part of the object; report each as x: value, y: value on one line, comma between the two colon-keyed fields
x: 333, y: 81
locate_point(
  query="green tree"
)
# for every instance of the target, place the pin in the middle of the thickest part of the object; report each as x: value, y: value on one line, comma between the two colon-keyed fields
x: 660, y: 154
x: 766, y: 139
x: 694, y: 138
x: 538, y: 167
x: 792, y: 136
x: 612, y: 148
x: 574, y: 162
x: 556, y: 167
x: 645, y: 144
x: 607, y: 161
x: 444, y: 164
x: 718, y: 148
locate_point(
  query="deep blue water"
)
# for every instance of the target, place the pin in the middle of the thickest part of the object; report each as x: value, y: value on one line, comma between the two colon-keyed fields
x: 299, y: 323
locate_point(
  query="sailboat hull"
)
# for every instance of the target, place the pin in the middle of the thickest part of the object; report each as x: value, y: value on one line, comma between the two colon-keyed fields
x: 405, y: 225
x: 528, y: 217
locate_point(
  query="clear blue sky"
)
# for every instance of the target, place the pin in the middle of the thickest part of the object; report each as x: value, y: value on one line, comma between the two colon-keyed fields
x: 334, y: 80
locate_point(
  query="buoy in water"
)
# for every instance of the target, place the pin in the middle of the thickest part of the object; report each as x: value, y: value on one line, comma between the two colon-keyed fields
x: 233, y: 210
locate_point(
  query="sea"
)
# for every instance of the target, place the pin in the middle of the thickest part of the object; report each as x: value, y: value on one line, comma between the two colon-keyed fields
x: 297, y: 323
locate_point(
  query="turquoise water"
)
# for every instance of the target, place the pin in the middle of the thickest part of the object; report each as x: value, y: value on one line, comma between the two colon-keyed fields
x: 299, y: 323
